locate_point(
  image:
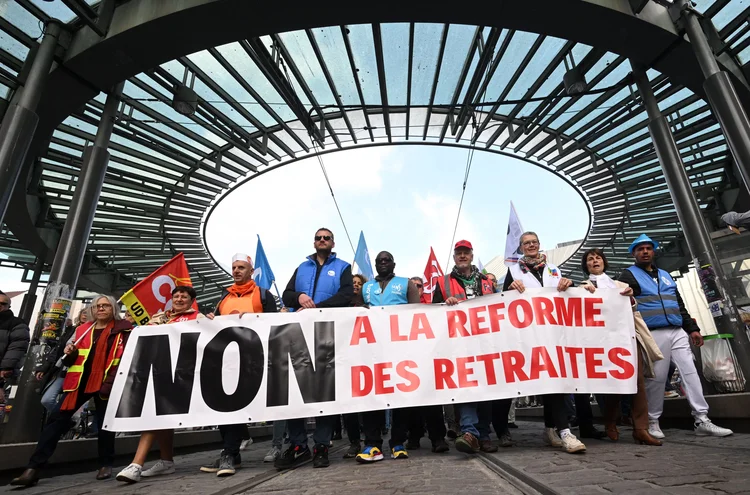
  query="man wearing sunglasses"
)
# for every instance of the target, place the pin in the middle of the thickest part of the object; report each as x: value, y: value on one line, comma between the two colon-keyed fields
x: 419, y: 284
x: 321, y: 281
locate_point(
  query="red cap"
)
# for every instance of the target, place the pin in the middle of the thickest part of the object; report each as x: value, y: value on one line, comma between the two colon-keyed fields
x: 463, y: 244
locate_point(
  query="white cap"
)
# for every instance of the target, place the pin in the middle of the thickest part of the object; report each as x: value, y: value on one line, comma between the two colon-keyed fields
x: 242, y: 257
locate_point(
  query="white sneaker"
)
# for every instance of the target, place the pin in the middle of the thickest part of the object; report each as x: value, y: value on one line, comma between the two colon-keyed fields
x: 551, y: 438
x: 272, y: 454
x: 707, y: 429
x: 131, y: 474
x: 654, y: 430
x: 246, y: 443
x: 571, y: 444
x: 161, y: 467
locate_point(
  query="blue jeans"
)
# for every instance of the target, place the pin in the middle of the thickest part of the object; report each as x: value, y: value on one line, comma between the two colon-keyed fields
x: 322, y: 434
x: 49, y: 399
x: 471, y: 421
x: 279, y: 427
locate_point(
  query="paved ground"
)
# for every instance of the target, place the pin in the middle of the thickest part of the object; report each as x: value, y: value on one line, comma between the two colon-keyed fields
x: 684, y: 465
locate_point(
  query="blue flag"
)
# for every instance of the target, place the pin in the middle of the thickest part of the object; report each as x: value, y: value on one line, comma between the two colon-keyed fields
x: 362, y: 258
x: 263, y: 275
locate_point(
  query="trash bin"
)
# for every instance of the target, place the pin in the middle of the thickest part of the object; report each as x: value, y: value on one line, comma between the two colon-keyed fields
x: 720, y: 364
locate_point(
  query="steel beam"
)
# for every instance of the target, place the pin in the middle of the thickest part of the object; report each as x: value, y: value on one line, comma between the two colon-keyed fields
x: 722, y: 96
x: 20, y: 120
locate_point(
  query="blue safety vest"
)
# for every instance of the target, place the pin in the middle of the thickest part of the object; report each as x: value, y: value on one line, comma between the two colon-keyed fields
x: 329, y: 282
x: 658, y: 301
x: 395, y: 292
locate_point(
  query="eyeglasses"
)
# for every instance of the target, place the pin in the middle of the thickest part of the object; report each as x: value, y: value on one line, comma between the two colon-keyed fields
x: 323, y: 238
x: 103, y: 306
x: 530, y: 243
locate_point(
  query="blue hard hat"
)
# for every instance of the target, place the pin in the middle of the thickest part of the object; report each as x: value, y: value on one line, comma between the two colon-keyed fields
x: 642, y: 239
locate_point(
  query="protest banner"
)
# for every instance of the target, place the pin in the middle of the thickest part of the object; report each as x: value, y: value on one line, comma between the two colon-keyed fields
x: 329, y: 361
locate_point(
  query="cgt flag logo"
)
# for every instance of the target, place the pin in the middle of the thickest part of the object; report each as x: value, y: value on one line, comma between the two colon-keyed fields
x: 153, y: 294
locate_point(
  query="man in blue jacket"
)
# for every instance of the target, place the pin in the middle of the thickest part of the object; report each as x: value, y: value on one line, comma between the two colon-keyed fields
x: 661, y: 307
x: 321, y: 281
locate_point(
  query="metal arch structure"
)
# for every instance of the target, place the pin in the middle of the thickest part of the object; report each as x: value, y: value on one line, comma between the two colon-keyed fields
x: 166, y: 172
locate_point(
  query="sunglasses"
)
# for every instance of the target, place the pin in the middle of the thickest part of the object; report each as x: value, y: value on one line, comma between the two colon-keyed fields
x: 383, y: 260
x: 419, y: 286
x: 323, y: 238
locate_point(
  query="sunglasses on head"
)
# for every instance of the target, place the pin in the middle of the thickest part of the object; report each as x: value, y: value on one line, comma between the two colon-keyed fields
x: 323, y: 237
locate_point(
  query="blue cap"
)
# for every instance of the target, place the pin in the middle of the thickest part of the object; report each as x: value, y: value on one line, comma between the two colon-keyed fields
x: 643, y: 238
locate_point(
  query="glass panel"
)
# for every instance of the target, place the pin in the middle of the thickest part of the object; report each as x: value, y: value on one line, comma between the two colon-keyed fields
x: 236, y: 55
x: 332, y: 47
x: 395, y: 39
x: 457, y: 47
x: 307, y: 63
x: 424, y: 63
x: 363, y: 50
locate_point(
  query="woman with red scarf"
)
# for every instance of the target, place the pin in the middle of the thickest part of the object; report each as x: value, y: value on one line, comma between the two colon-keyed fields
x: 183, y: 298
x: 93, y: 355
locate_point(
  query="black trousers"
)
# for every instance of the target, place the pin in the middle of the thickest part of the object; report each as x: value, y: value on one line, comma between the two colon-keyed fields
x: 232, y: 436
x: 500, y: 410
x: 583, y: 410
x: 432, y: 416
x: 555, y: 412
x: 372, y: 426
x: 351, y: 424
x: 59, y: 423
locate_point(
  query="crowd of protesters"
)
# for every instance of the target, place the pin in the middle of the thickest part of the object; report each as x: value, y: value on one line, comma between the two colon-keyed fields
x: 84, y: 366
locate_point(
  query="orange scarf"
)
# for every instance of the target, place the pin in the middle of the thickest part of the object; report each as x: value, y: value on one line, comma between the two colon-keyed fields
x: 243, y: 298
x: 98, y: 368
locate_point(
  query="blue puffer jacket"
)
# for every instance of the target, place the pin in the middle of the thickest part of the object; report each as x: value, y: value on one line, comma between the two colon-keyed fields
x: 330, y: 277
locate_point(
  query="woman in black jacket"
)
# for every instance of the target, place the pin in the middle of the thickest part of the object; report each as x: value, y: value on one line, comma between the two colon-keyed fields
x: 14, y: 340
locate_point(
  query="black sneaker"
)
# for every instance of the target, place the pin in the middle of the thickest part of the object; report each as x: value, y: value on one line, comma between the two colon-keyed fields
x: 214, y: 466
x: 353, y: 451
x: 292, y: 457
x: 412, y: 444
x: 320, y: 458
x: 226, y: 466
x: 440, y: 446
x: 512, y: 425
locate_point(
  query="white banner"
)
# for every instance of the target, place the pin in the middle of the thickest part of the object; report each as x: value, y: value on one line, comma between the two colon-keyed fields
x: 331, y: 361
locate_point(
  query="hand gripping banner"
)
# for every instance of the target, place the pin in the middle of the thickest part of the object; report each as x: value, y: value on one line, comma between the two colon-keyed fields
x: 329, y: 361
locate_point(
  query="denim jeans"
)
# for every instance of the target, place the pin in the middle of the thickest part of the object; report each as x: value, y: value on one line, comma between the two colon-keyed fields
x: 471, y: 421
x: 279, y: 427
x: 322, y: 434
x: 49, y: 399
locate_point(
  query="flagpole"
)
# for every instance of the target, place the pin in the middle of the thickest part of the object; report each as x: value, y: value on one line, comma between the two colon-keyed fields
x: 277, y: 293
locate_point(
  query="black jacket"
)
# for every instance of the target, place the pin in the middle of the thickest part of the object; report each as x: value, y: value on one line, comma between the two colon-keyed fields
x: 14, y: 340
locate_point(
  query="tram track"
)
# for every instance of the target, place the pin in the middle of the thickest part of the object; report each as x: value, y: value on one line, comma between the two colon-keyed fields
x: 526, y: 484
x: 267, y: 476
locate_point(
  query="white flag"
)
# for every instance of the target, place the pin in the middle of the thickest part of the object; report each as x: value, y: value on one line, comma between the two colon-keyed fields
x: 513, y: 238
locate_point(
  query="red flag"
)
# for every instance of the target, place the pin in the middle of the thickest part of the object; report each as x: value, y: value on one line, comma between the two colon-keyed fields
x: 153, y: 294
x: 432, y: 272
